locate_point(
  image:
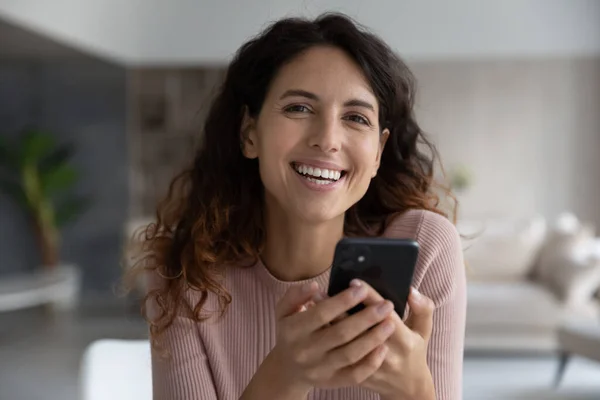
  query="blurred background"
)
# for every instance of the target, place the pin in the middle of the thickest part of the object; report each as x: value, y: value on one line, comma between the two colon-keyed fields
x: 101, y: 103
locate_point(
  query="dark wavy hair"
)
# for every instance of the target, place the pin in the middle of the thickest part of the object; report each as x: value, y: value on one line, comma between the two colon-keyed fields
x: 213, y: 213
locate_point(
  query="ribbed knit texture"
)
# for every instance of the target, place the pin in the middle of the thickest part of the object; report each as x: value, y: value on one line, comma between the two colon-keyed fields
x: 216, y: 359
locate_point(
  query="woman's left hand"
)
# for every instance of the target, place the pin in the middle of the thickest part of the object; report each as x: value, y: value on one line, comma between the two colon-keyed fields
x: 404, y: 374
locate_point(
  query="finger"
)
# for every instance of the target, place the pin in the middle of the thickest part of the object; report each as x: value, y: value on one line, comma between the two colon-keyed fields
x: 324, y: 312
x: 350, y: 328
x: 359, y: 372
x: 351, y: 353
x: 420, y: 319
x: 339, y: 318
x: 309, y: 304
x: 373, y: 297
x: 319, y: 297
x: 295, y: 298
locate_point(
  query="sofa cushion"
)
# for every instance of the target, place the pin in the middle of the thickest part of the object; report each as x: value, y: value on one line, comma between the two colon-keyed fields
x: 563, y: 241
x: 569, y: 261
x: 574, y: 277
x: 511, y: 305
x: 502, y: 250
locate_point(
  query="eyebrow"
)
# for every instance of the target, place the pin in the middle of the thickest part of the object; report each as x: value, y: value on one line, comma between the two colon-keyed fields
x: 312, y: 96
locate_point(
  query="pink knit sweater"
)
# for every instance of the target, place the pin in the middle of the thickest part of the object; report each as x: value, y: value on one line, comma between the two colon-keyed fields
x: 216, y: 359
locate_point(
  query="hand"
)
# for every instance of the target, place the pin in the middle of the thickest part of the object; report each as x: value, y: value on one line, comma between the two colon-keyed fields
x: 404, y: 373
x: 313, y: 352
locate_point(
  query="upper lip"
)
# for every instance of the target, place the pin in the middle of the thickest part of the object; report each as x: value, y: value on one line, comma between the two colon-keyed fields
x: 320, y: 164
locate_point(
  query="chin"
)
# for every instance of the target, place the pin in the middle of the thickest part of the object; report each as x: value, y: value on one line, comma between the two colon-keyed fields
x: 318, y: 215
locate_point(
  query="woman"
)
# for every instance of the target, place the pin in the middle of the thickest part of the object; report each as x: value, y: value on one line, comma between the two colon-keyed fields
x: 310, y: 138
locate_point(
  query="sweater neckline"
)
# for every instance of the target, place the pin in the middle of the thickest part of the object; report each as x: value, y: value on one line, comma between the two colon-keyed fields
x: 282, y: 286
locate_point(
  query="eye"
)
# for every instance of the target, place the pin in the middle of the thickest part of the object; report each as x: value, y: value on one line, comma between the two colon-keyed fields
x: 358, y: 118
x: 297, y: 108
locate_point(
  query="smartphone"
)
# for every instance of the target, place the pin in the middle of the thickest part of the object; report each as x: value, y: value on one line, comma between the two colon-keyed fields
x: 386, y: 264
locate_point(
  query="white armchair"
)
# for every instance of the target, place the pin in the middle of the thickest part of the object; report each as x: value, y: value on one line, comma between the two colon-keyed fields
x: 116, y: 370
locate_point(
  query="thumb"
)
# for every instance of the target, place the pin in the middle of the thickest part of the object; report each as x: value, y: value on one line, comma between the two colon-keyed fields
x: 420, y: 319
x: 293, y: 300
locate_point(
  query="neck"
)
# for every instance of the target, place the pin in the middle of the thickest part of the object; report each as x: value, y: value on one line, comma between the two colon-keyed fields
x: 297, y: 250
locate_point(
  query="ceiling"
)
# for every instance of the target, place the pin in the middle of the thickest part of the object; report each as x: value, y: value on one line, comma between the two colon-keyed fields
x: 150, y: 32
x: 19, y: 43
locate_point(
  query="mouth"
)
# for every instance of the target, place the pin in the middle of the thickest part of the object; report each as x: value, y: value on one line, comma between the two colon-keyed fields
x: 320, y: 176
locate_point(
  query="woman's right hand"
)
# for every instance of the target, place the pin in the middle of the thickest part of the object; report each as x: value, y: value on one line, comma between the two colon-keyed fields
x: 313, y: 349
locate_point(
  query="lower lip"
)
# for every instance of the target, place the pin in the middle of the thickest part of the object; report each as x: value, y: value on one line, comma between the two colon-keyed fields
x: 317, y: 186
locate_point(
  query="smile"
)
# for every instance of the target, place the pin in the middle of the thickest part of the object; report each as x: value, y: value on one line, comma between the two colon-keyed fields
x: 320, y: 176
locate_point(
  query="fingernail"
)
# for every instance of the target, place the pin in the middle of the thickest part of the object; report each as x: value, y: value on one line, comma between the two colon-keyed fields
x: 359, y: 291
x: 388, y: 327
x: 385, y: 308
x: 383, y: 351
x: 417, y: 296
x: 356, y: 283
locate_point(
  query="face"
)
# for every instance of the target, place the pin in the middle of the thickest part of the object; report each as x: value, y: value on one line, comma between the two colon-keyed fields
x: 317, y: 137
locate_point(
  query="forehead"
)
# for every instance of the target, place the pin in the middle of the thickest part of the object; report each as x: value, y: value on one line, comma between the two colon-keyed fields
x: 326, y: 71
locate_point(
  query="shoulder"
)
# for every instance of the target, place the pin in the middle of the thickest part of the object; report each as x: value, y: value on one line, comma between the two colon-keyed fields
x: 440, y: 265
x: 426, y: 227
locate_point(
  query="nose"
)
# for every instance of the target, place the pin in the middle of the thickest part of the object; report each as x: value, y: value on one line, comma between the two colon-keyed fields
x: 326, y: 135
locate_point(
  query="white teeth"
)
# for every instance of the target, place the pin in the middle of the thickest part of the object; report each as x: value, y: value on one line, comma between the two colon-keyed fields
x: 331, y: 175
x: 319, y: 181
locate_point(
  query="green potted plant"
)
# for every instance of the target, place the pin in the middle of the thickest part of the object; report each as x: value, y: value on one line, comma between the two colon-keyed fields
x: 36, y: 173
x: 461, y: 178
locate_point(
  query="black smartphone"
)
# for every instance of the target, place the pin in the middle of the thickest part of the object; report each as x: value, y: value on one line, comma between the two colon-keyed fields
x: 386, y: 264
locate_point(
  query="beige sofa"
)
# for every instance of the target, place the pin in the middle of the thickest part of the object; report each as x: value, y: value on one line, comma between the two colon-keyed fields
x: 525, y: 279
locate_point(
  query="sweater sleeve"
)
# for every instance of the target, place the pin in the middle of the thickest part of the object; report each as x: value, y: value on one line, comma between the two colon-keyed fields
x: 183, y: 373
x: 180, y: 368
x: 443, y: 280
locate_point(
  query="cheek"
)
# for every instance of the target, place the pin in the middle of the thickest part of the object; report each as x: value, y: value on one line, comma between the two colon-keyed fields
x: 274, y: 149
x: 365, y: 154
x: 278, y: 140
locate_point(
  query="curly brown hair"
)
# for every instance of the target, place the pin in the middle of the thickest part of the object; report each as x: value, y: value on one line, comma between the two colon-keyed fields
x: 213, y: 213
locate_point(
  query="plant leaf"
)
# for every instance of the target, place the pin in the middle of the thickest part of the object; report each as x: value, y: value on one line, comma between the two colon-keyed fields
x: 35, y: 146
x: 14, y: 191
x: 57, y: 157
x: 58, y: 179
x: 70, y: 209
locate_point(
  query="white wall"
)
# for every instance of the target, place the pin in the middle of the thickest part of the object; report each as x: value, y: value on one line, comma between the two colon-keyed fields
x: 528, y: 130
x: 201, y: 31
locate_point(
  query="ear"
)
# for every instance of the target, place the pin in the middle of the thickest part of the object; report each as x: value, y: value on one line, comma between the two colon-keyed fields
x: 382, y: 141
x: 248, y: 135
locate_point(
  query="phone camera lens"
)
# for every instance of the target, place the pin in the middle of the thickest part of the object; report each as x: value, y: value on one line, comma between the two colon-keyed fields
x: 361, y: 259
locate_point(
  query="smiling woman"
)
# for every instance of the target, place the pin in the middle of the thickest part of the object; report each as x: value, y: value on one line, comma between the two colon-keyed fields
x: 311, y: 138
